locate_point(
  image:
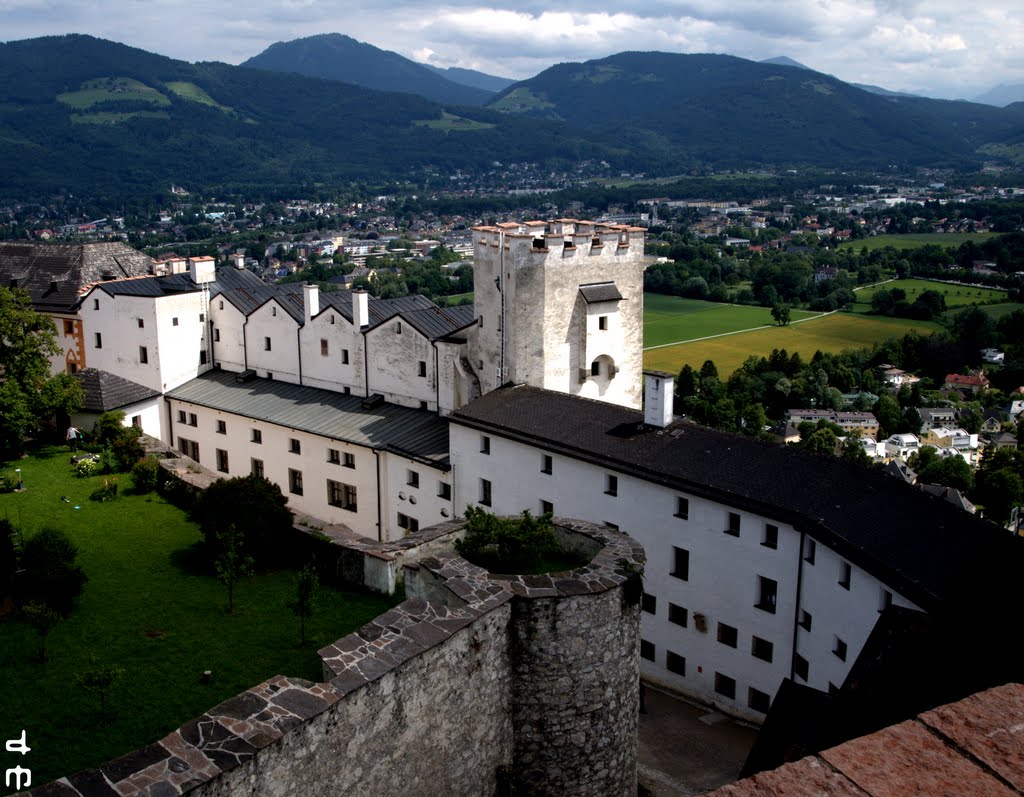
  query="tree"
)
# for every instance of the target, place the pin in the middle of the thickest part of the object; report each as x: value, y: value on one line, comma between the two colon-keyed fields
x: 29, y: 395
x: 254, y: 505
x: 98, y: 679
x: 781, y: 313
x: 51, y: 576
x: 306, y: 584
x: 43, y: 619
x: 233, y: 564
x: 823, y: 441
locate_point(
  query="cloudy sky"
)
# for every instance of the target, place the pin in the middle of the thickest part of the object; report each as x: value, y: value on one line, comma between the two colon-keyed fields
x: 944, y: 48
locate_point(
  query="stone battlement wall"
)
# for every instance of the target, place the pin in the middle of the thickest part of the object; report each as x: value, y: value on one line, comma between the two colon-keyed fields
x: 494, y: 684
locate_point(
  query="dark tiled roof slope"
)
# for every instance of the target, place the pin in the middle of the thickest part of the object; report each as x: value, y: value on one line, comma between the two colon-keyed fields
x: 55, y: 274
x: 105, y: 391
x: 906, y: 538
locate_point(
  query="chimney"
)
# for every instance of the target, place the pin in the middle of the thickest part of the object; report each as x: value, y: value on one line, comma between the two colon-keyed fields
x: 203, y: 269
x: 310, y: 300
x: 239, y: 262
x: 658, y: 397
x: 360, y: 309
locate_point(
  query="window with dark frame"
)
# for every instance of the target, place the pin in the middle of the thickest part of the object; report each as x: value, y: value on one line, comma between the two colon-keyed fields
x: 546, y: 463
x: 193, y: 419
x: 444, y: 491
x: 602, y: 322
x: 294, y: 446
x: 216, y: 334
x: 839, y: 649
x: 410, y: 524
x: 800, y: 667
x: 257, y: 437
x: 762, y: 649
x: 485, y: 444
x: 341, y: 495
x: 142, y: 325
x: 595, y: 368
x: 546, y: 507
x: 805, y: 620
x: 423, y: 367
x: 344, y: 356
x: 295, y: 481
x: 682, y: 508
x: 733, y: 528
x: 647, y: 650
x: 412, y: 478
x: 222, y: 460
x: 767, y: 594
x: 675, y: 663
x: 725, y: 686
x: 845, y: 572
x: 174, y: 321
x: 771, y: 536
x: 485, y: 492
x: 649, y: 603
x: 348, y: 459
x: 759, y: 701
x: 324, y: 347
x: 256, y: 467
x: 678, y: 615
x: 680, y: 563
x: 728, y: 635
x: 810, y: 548
x: 333, y: 456
x: 266, y: 344
x: 99, y: 340
x: 181, y: 416
x: 69, y: 326
x: 222, y: 427
x: 398, y: 328
x: 611, y: 484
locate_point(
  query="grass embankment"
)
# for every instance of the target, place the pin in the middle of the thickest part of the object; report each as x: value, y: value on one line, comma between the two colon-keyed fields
x: 152, y: 608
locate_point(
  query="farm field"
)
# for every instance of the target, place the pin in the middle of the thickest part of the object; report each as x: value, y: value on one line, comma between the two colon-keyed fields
x: 916, y: 240
x: 670, y: 319
x: 997, y: 311
x: 152, y: 608
x: 956, y: 296
x: 832, y: 333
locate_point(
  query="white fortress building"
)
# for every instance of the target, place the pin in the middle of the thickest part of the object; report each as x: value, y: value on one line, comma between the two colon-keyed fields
x: 387, y: 416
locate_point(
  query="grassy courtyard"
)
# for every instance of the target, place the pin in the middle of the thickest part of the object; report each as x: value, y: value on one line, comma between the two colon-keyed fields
x: 153, y: 609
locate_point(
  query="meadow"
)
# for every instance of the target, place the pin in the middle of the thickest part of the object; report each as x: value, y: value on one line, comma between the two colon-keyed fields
x: 956, y: 296
x: 916, y: 240
x: 152, y: 607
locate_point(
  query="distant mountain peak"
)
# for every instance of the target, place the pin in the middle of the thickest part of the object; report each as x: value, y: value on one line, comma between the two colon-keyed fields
x: 782, y: 60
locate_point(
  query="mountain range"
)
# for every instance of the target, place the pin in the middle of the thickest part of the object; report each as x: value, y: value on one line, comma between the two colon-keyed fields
x: 95, y: 117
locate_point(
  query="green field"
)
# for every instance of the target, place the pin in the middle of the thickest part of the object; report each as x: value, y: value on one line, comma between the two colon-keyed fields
x: 832, y: 333
x: 916, y: 240
x: 956, y: 296
x: 106, y: 89
x: 110, y: 118
x: 450, y: 121
x: 190, y: 91
x: 670, y: 319
x: 997, y: 311
x: 151, y: 608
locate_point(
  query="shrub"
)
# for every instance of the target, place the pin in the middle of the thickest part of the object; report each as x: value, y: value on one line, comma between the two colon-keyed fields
x: 254, y: 505
x: 121, y: 446
x: 108, y: 492
x: 512, y: 545
x: 8, y: 481
x: 87, y: 467
x: 51, y: 575
x: 144, y: 475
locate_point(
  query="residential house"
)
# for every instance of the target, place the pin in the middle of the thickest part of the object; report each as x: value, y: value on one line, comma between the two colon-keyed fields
x: 934, y: 417
x: 902, y: 446
x: 973, y: 382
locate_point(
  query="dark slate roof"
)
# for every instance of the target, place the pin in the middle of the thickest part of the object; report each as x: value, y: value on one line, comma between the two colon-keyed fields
x: 150, y: 286
x: 413, y: 433
x: 105, y: 391
x: 56, y: 275
x: 906, y: 538
x: 440, y: 322
x: 600, y: 292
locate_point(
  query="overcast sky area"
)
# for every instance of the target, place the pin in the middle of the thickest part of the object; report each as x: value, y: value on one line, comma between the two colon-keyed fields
x: 942, y: 48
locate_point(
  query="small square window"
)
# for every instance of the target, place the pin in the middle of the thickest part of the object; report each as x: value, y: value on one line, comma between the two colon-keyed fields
x: 611, y: 484
x: 647, y: 650
x: 174, y: 322
x: 805, y: 620
x: 295, y: 481
x: 181, y: 416
x: 412, y: 478
x: 758, y: 700
x: 649, y: 603
x: 69, y: 326
x: 734, y: 524
x: 348, y: 459
x: 423, y: 367
x: 295, y: 446
x: 800, y: 667
x: 602, y: 322
x: 137, y: 421
x: 257, y: 436
x: 256, y: 468
x: 678, y: 615
x: 410, y: 524
x: 266, y: 344
x: 725, y: 686
x: 762, y: 649
x: 344, y: 356
x: 845, y: 571
x: 810, y: 548
x: 771, y: 536
x: 444, y: 491
x: 485, y: 492
x: 142, y: 324
x: 675, y: 663
x: 546, y: 507
x: 839, y: 649
x: 424, y: 405
x: 682, y: 507
x: 545, y: 464
x: 680, y: 563
x: 193, y: 419
x: 202, y: 318
x: 333, y: 456
x: 767, y: 594
x: 485, y: 444
x: 727, y: 635
x: 222, y: 427
x: 222, y: 460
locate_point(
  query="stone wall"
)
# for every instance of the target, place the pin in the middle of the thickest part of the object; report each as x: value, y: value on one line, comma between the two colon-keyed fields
x: 495, y: 685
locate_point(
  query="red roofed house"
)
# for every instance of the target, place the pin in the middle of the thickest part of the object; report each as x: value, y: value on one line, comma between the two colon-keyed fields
x: 974, y: 382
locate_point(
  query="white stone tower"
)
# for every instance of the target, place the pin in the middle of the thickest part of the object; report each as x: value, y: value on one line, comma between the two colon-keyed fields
x: 560, y: 306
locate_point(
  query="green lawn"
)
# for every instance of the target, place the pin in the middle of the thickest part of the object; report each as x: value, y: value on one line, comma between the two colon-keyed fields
x: 956, y: 296
x: 997, y: 311
x: 670, y: 319
x: 150, y: 608
x: 917, y: 240
x: 832, y: 333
